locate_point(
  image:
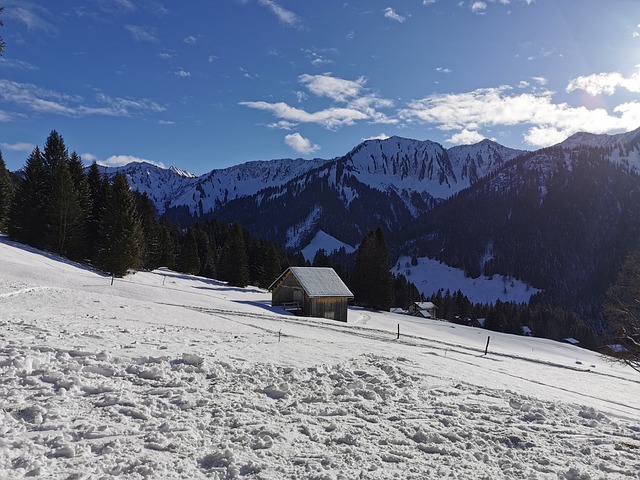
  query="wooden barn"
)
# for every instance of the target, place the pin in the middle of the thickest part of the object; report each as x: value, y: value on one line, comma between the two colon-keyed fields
x: 312, y: 291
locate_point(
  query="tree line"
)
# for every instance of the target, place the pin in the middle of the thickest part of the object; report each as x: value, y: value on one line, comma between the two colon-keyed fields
x: 57, y: 204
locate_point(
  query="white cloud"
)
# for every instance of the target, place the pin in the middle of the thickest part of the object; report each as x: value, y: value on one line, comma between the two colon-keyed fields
x: 17, y: 64
x: 32, y: 20
x: 391, y: 13
x: 89, y: 157
x: 142, y: 34
x: 540, y: 80
x: 165, y: 55
x: 428, y: 2
x: 605, y: 83
x: 182, y: 73
x: 300, y: 144
x: 191, y: 40
x: 166, y: 122
x: 287, y: 17
x: 636, y: 34
x: 212, y: 58
x: 18, y: 147
x: 547, y: 121
x: 465, y: 137
x: 44, y: 101
x: 120, y: 160
x: 380, y: 136
x: 332, y: 87
x: 282, y: 125
x: 331, y: 118
x: 358, y: 105
x: 443, y: 70
x: 479, y: 8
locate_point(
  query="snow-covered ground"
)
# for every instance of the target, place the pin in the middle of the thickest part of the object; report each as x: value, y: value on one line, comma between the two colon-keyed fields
x: 430, y: 275
x: 163, y: 375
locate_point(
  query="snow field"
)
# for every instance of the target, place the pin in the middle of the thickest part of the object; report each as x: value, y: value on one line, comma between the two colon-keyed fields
x: 169, y: 376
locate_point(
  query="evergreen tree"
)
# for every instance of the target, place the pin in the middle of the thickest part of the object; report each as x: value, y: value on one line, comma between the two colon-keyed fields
x: 65, y: 215
x: 120, y: 233
x: 234, y: 261
x: 152, y: 247
x: 206, y: 253
x: 272, y: 266
x: 27, y: 215
x: 6, y: 193
x: 98, y: 192
x: 188, y: 260
x: 54, y: 151
x: 372, y: 282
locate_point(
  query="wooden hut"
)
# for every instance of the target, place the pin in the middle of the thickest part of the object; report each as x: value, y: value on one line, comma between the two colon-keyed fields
x: 312, y: 291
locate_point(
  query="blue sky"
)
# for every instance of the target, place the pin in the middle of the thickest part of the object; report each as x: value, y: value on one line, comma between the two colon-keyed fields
x: 210, y: 84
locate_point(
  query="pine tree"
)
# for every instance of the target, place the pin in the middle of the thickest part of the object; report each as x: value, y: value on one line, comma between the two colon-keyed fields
x: 6, y: 193
x: 54, y: 151
x: 120, y: 233
x: 98, y: 192
x: 372, y: 282
x: 272, y: 267
x: 206, y: 253
x: 188, y: 260
x: 152, y: 248
x: 234, y: 260
x: 27, y: 214
x: 65, y: 216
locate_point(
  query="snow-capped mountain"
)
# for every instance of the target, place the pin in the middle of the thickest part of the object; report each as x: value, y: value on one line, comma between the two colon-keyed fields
x: 175, y: 188
x: 403, y: 166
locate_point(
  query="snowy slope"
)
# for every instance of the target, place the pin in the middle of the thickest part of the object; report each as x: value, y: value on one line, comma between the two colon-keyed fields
x: 166, y: 376
x: 324, y: 241
x: 430, y: 275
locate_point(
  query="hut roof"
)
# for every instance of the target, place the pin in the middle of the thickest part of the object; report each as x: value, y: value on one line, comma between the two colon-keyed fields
x: 318, y: 282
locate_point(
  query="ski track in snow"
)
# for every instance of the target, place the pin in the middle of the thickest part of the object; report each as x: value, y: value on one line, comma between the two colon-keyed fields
x: 144, y: 380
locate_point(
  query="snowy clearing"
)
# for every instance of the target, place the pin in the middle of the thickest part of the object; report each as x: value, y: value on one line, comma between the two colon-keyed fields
x: 164, y: 375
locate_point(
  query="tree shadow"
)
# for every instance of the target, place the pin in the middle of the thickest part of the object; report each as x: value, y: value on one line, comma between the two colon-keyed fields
x: 265, y: 305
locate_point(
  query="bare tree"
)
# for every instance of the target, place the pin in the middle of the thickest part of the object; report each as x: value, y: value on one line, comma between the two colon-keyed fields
x: 622, y: 310
x: 1, y: 41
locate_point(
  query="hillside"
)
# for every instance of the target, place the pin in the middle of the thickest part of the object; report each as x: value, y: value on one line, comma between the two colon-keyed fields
x: 163, y: 375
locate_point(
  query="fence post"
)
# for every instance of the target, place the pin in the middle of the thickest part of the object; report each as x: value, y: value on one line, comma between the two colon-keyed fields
x: 486, y: 349
x: 398, y: 331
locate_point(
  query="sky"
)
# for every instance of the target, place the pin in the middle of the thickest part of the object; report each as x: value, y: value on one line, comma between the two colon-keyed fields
x: 208, y: 85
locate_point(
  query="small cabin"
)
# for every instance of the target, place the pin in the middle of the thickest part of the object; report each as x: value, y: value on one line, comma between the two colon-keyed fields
x: 422, y: 309
x: 312, y: 292
x: 526, y: 331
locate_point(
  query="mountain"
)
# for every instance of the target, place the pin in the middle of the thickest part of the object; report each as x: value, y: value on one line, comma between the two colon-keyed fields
x: 386, y: 182
x: 562, y: 219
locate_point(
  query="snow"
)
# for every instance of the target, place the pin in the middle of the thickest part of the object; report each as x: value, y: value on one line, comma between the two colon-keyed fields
x: 430, y: 275
x: 163, y: 376
x: 324, y: 241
